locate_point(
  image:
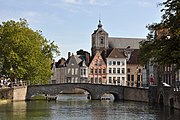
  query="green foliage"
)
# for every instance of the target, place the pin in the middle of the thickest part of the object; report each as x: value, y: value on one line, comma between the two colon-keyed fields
x: 24, y: 53
x: 164, y: 47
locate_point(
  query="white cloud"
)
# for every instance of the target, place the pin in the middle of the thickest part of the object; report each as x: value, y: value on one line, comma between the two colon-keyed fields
x: 89, y: 2
x: 73, y: 1
x: 144, y: 3
x: 92, y: 2
x: 99, y: 2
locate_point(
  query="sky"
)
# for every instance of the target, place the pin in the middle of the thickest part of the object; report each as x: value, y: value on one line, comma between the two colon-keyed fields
x: 70, y: 23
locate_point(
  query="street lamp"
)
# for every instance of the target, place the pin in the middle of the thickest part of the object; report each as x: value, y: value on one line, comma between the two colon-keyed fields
x: 137, y: 76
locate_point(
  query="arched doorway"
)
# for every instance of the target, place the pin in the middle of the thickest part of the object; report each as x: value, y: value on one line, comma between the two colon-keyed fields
x: 161, y: 100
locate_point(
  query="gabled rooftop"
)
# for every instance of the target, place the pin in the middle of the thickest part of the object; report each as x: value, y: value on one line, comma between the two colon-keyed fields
x: 117, y: 53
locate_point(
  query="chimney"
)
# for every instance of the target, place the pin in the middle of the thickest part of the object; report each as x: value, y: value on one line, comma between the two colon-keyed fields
x: 87, y: 57
x: 69, y: 54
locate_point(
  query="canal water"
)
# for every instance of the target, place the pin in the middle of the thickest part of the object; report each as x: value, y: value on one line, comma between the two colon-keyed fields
x: 78, y: 107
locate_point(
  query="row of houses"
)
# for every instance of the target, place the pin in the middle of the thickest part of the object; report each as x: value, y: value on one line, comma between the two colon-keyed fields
x: 112, y: 68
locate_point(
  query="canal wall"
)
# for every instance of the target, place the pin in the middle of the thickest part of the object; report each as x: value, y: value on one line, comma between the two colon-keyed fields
x: 6, y: 93
x: 14, y: 94
x: 19, y: 93
x: 136, y: 94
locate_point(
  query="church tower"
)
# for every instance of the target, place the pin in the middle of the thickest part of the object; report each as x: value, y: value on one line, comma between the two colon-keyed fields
x: 99, y: 40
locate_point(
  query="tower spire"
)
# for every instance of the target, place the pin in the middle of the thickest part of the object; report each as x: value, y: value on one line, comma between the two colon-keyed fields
x: 99, y: 25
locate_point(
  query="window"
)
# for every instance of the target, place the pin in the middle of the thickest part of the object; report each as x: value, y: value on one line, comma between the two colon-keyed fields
x: 110, y: 62
x: 84, y: 71
x: 139, y: 70
x: 81, y: 71
x: 100, y: 71
x: 114, y: 62
x: 128, y: 70
x: 123, y: 71
x: 110, y: 70
x: 118, y: 79
x: 122, y: 62
x: 91, y: 70
x: 118, y: 70
x: 110, y: 80
x: 114, y: 80
x: 118, y: 62
x: 104, y: 70
x: 96, y: 71
x: 132, y: 77
x: 114, y: 70
x: 128, y: 77
x: 102, y: 41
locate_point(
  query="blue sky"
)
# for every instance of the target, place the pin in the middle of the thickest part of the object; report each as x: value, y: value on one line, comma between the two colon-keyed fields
x: 70, y: 23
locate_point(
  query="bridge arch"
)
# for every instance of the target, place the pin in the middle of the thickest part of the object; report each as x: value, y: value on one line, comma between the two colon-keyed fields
x: 114, y: 94
x: 95, y: 90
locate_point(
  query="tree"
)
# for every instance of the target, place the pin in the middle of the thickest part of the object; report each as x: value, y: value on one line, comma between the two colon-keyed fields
x: 163, y: 44
x: 24, y: 53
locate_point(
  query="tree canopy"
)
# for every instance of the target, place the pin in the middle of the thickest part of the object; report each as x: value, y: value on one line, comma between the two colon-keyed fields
x: 24, y: 53
x: 163, y: 44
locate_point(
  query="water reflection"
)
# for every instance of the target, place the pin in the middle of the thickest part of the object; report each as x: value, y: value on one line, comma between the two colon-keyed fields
x: 78, y: 107
x: 19, y: 110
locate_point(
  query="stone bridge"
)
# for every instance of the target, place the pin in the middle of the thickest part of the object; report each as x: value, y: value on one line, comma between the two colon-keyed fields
x: 164, y: 95
x: 95, y: 90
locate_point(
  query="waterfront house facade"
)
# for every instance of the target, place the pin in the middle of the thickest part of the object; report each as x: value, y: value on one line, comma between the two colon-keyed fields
x: 116, y: 67
x: 97, y: 70
x: 134, y: 70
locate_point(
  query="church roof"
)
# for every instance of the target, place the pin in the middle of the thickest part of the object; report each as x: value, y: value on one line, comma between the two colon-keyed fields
x: 123, y: 43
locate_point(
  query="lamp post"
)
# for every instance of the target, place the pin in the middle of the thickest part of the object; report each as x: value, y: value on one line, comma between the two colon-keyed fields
x: 137, y: 76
